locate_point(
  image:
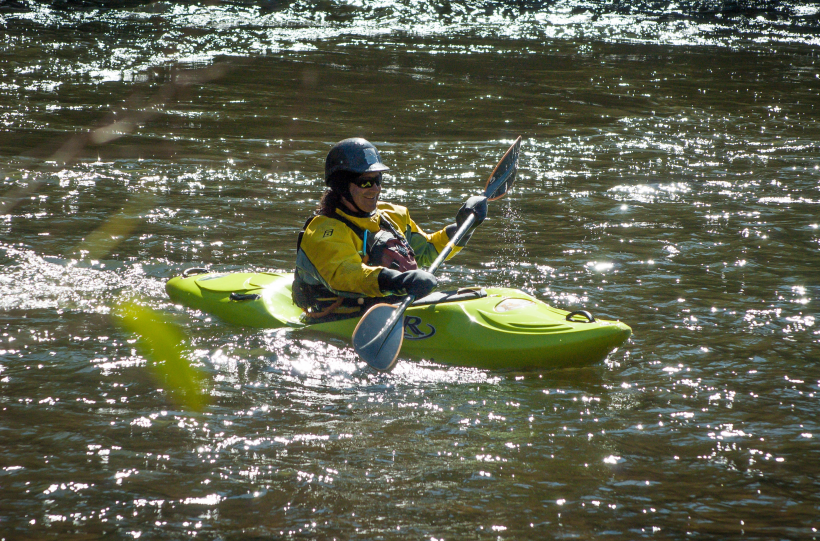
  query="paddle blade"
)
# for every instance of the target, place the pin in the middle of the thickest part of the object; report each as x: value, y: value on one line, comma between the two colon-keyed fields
x: 378, y: 336
x: 503, y: 176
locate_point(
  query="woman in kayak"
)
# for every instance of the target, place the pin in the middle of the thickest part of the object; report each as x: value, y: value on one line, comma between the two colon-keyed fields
x: 358, y: 250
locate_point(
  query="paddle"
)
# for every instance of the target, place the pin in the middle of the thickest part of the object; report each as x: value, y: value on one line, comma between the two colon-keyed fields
x: 378, y: 336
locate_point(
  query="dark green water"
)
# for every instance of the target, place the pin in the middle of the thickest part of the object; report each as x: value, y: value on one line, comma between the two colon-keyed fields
x: 670, y: 178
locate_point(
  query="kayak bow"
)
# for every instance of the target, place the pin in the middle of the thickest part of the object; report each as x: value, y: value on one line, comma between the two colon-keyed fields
x: 492, y: 328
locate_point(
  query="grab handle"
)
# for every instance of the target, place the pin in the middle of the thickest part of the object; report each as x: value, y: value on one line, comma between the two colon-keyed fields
x: 244, y: 296
x: 194, y: 270
x: 584, y: 313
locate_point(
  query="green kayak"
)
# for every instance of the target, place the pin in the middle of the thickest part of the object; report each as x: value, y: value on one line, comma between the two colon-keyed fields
x: 492, y: 328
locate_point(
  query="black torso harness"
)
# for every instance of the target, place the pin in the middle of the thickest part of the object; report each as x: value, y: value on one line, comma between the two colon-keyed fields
x: 386, y: 248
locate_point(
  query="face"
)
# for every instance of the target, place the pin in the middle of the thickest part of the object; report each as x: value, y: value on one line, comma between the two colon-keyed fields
x: 366, y: 198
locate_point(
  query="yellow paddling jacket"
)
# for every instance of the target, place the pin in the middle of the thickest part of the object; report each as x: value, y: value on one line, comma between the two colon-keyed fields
x: 330, y: 259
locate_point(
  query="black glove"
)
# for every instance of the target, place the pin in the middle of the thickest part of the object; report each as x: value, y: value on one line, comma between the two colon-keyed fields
x: 477, y: 205
x: 418, y: 283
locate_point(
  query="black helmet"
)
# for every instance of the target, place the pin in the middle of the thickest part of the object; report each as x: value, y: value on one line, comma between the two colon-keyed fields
x: 354, y: 155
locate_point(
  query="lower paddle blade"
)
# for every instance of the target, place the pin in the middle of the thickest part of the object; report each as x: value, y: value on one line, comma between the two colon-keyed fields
x: 378, y: 336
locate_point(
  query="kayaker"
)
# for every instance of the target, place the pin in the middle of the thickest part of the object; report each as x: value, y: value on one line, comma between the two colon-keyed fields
x: 358, y: 250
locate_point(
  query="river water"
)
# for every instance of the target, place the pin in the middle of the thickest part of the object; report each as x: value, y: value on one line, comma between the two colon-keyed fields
x: 670, y: 178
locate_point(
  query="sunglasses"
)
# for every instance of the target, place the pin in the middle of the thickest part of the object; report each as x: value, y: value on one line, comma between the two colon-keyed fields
x: 367, y: 181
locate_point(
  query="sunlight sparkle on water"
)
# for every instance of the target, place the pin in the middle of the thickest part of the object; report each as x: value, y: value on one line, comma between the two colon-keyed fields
x: 658, y: 184
x: 600, y: 267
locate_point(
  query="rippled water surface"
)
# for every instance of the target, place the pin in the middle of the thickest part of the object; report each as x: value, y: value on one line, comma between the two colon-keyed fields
x: 670, y: 178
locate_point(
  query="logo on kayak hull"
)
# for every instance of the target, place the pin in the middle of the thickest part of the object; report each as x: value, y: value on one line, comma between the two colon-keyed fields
x: 413, y: 330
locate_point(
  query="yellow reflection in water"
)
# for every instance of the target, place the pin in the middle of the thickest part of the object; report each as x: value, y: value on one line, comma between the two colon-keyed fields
x: 161, y: 342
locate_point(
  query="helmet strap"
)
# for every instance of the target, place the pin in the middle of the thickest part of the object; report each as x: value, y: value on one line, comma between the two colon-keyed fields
x: 355, y: 211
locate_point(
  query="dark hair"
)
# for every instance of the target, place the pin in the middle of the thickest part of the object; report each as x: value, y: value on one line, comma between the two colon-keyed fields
x: 339, y: 183
x: 330, y: 201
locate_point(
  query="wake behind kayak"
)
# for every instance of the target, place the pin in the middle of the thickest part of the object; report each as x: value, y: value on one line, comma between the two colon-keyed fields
x: 492, y: 328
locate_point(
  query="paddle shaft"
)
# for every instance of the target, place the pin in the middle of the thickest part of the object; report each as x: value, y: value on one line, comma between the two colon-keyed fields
x: 468, y: 223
